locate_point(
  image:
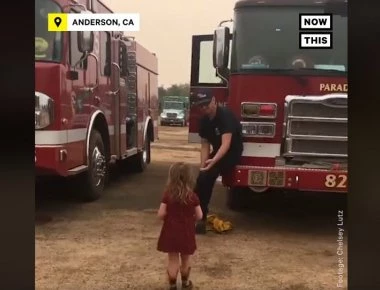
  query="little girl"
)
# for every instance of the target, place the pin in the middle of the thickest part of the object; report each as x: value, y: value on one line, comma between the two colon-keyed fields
x: 179, y: 210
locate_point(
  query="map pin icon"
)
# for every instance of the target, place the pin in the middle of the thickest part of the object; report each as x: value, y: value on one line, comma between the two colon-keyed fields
x: 57, y: 21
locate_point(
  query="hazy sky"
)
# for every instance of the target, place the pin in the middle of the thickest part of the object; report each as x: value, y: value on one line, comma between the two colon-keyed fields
x: 166, y: 27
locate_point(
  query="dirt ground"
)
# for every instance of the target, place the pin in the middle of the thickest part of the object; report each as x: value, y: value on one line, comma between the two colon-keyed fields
x: 284, y: 241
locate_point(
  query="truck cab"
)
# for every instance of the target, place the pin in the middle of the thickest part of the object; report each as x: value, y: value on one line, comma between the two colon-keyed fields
x: 291, y: 102
x: 174, y: 111
x: 96, y: 100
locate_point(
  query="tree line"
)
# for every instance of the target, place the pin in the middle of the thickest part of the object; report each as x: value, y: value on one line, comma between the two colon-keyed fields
x: 174, y: 90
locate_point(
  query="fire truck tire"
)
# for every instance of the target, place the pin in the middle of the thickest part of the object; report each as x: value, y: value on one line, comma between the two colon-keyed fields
x: 142, y: 159
x: 95, y: 178
x: 238, y: 198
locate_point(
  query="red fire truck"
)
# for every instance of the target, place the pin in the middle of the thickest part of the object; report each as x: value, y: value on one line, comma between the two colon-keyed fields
x: 96, y: 99
x: 292, y: 102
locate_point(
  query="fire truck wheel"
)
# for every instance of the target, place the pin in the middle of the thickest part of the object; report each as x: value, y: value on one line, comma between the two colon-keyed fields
x: 238, y: 198
x: 96, y: 176
x: 143, y: 158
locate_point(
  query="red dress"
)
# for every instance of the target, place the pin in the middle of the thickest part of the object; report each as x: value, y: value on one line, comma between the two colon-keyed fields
x: 178, y: 230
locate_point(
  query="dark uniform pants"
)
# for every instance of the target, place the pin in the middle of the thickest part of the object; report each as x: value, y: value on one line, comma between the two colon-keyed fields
x: 206, y: 180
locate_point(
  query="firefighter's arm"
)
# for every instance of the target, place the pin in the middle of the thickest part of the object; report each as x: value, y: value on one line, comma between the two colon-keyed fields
x: 226, y: 143
x: 226, y: 129
x: 205, y: 145
x: 205, y: 151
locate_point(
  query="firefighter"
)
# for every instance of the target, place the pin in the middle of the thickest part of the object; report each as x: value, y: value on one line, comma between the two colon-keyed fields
x: 219, y: 128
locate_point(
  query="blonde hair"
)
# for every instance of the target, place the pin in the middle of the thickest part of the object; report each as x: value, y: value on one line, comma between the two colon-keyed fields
x: 180, y: 182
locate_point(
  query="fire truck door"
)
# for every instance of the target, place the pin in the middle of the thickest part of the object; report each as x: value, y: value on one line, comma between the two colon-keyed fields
x: 82, y: 90
x: 203, y: 76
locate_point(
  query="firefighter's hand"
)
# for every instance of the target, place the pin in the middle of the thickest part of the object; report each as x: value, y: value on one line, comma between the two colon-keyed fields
x: 208, y: 164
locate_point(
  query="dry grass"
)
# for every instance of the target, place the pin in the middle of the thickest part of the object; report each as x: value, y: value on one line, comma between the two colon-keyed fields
x: 111, y: 244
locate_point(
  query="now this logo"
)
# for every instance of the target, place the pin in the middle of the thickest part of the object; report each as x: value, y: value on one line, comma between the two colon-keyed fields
x: 316, y: 22
x: 315, y: 39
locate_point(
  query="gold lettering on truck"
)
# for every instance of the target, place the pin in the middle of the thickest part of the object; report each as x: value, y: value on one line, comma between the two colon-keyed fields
x: 326, y: 87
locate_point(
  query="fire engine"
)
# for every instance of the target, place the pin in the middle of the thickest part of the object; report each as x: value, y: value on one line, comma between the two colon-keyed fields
x: 291, y: 102
x: 96, y: 99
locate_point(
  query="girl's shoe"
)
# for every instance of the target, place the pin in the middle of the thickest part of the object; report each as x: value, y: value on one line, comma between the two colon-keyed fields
x: 186, y: 283
x: 172, y: 282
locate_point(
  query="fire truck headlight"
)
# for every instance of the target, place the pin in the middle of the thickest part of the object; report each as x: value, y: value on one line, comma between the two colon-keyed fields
x: 267, y: 129
x: 258, y: 129
x: 259, y: 110
x: 43, y: 111
x: 249, y: 129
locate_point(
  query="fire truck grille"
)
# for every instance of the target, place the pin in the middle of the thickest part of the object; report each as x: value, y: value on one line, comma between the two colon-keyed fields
x: 317, y: 110
x: 171, y: 115
x: 307, y: 128
x: 318, y: 147
x: 316, y: 126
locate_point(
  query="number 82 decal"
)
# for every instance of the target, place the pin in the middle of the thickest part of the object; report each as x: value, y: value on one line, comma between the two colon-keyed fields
x: 337, y: 181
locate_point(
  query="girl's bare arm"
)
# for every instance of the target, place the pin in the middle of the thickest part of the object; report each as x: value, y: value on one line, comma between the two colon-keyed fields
x: 198, y: 213
x: 162, y: 211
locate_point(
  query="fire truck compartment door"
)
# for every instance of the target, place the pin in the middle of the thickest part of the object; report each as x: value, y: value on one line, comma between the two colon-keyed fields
x: 117, y: 85
x: 203, y: 76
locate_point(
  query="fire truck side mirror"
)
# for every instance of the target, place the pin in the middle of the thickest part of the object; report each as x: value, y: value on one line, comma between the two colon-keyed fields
x: 221, y: 46
x: 85, y: 41
x: 72, y: 75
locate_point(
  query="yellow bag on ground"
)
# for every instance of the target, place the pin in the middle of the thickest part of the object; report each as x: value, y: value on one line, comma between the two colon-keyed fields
x: 218, y: 225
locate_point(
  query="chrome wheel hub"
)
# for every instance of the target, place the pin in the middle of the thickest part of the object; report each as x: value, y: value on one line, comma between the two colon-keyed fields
x: 144, y: 155
x: 98, y: 166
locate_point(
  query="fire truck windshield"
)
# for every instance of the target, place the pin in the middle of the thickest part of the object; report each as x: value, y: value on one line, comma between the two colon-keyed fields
x: 48, y: 45
x: 267, y: 38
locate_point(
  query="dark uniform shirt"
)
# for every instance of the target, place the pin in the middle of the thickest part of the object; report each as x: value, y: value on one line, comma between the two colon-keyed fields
x: 223, y: 122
